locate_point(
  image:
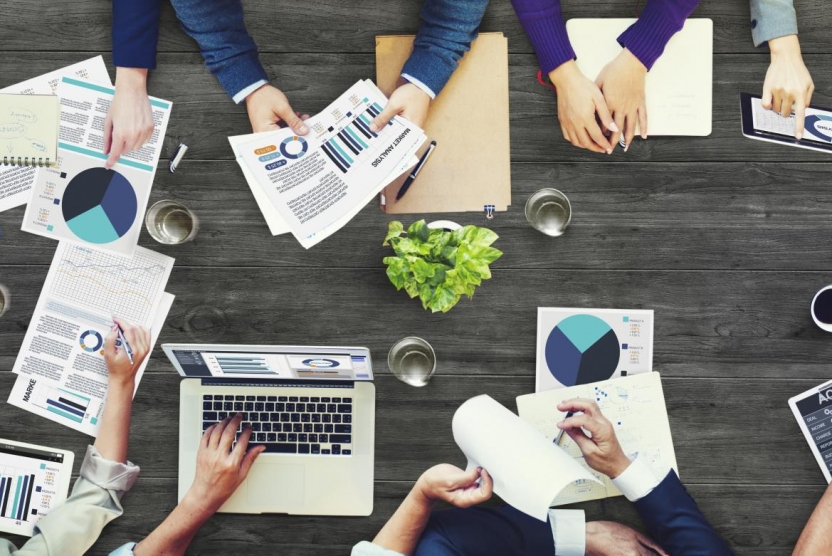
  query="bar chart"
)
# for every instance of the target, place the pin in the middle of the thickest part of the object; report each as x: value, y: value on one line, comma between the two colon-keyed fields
x: 353, y: 140
x: 243, y: 364
x: 28, y: 485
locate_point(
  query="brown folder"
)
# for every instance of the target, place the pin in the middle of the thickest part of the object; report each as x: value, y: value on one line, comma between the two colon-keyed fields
x: 469, y: 120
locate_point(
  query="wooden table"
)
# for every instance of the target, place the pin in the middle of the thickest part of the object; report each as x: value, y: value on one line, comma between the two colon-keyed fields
x: 727, y: 239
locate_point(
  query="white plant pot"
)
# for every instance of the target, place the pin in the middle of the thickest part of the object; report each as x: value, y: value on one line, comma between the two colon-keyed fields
x: 444, y: 225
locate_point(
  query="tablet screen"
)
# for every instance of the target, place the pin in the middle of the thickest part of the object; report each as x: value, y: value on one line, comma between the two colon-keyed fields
x: 31, y: 483
x: 818, y: 124
x: 813, y: 410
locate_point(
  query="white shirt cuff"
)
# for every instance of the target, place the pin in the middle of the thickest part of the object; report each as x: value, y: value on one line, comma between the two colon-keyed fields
x: 569, y: 530
x: 241, y: 96
x: 638, y: 480
x: 425, y: 89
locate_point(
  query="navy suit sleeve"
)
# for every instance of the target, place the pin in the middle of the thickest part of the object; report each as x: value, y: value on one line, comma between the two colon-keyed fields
x: 675, y: 522
x: 135, y: 32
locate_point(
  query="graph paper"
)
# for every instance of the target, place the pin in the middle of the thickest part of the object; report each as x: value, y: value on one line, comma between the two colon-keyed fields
x: 127, y: 288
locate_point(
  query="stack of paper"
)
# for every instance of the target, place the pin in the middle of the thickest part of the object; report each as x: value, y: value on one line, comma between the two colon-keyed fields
x: 315, y: 184
x: 61, y: 371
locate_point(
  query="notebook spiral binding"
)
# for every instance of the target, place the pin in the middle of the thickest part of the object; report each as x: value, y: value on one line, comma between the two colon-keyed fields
x: 25, y: 161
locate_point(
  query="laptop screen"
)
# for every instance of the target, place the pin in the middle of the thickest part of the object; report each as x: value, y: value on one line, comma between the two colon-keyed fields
x: 281, y: 363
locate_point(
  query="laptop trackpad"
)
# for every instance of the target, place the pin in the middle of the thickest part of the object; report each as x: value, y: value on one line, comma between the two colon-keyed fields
x: 276, y: 487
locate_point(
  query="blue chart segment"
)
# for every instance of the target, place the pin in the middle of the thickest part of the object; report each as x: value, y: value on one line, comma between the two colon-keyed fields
x: 99, y: 205
x: 582, y: 349
x: 91, y: 341
x: 349, y: 143
x: 293, y: 147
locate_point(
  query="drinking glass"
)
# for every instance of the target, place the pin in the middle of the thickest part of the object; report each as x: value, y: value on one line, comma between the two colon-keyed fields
x: 549, y: 212
x: 171, y: 223
x: 412, y: 360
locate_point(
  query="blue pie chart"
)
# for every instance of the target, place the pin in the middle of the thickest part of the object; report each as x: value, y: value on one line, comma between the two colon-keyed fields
x: 582, y: 349
x: 99, y: 205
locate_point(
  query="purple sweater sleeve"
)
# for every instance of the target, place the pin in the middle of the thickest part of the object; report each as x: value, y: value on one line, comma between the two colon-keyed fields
x: 646, y: 38
x: 658, y: 22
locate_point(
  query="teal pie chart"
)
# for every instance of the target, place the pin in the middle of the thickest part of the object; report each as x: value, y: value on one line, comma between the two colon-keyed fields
x: 582, y: 349
x: 99, y: 205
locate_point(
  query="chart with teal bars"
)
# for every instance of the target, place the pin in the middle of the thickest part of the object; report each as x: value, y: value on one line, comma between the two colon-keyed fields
x: 581, y: 346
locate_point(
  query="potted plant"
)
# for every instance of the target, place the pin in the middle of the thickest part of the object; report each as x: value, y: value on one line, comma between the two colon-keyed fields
x: 439, y: 265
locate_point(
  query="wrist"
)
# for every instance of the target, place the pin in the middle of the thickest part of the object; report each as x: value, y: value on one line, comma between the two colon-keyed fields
x: 253, y: 95
x: 132, y: 78
x: 423, y: 492
x: 564, y: 72
x: 784, y: 46
x: 618, y: 466
x: 118, y: 385
x: 198, y: 504
x: 632, y: 61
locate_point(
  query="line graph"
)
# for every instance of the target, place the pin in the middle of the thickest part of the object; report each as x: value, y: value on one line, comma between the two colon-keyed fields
x: 110, y: 284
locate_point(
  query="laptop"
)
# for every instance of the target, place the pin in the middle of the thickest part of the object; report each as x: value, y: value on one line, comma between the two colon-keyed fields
x: 313, y: 408
x: 679, y: 87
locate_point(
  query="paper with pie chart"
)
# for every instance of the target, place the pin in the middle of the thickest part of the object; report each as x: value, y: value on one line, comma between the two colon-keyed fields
x: 581, y: 346
x: 77, y: 199
x: 61, y: 371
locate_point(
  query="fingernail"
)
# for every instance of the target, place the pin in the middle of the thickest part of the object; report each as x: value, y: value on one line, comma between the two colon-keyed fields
x: 609, y: 151
x: 644, y: 136
x: 626, y: 148
x: 303, y: 129
x: 373, y: 127
x: 800, y: 136
x: 613, y: 127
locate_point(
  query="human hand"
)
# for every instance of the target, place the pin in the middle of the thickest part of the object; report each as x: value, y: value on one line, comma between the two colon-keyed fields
x: 622, y: 83
x: 269, y: 109
x: 579, y: 99
x: 607, y: 538
x: 118, y: 364
x: 602, y: 452
x: 407, y: 100
x: 455, y: 486
x: 788, y: 83
x: 129, y: 122
x: 219, y: 469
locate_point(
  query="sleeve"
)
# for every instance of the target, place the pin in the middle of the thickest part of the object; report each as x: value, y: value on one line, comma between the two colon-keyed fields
x: 365, y: 548
x: 771, y: 19
x: 135, y: 32
x: 544, y: 25
x: 658, y: 22
x: 675, y: 522
x: 75, y: 525
x: 124, y: 550
x: 569, y: 531
x: 445, y: 35
x: 639, y: 480
x: 229, y: 51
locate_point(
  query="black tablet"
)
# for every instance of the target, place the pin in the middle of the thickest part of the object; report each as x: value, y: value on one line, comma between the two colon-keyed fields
x: 768, y: 125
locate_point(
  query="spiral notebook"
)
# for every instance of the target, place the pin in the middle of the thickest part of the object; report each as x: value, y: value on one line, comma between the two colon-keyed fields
x: 28, y: 129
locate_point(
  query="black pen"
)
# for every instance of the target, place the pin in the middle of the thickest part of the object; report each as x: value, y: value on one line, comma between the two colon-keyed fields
x: 561, y: 431
x: 416, y: 170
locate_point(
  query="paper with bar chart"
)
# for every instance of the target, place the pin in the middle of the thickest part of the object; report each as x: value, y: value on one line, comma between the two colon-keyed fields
x: 61, y: 371
x: 318, y: 182
x: 33, y: 480
x: 80, y: 201
x: 635, y: 406
x: 580, y: 346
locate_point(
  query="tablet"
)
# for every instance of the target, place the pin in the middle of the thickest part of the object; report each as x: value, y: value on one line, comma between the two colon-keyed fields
x: 33, y: 480
x: 813, y: 411
x: 768, y: 125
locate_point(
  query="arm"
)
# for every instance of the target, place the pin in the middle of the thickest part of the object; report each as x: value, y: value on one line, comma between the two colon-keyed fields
x: 230, y: 54
x: 815, y: 536
x: 658, y: 22
x: 220, y: 470
x: 445, y: 35
x: 105, y: 475
x: 670, y: 514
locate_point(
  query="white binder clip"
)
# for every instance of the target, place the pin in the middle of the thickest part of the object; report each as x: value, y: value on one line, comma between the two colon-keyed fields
x: 489, y: 211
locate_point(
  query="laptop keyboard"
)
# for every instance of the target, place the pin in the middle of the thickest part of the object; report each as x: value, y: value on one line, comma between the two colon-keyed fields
x: 287, y: 424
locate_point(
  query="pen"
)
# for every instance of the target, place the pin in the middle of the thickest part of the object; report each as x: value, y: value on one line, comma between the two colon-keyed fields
x: 178, y: 156
x: 560, y: 432
x: 127, y: 347
x: 416, y: 170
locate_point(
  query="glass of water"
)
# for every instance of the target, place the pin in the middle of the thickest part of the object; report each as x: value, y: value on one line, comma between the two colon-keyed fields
x: 412, y: 360
x: 171, y: 223
x: 549, y: 211
x: 4, y: 299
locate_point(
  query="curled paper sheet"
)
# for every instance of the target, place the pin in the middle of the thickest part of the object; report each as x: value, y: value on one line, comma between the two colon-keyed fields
x: 528, y: 469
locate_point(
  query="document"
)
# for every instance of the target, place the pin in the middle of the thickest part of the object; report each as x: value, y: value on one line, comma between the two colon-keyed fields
x: 579, y: 346
x: 528, y: 469
x: 274, y: 221
x: 28, y: 129
x: 635, y: 406
x: 80, y: 201
x: 813, y: 411
x: 60, y: 366
x: 16, y: 182
x: 317, y: 183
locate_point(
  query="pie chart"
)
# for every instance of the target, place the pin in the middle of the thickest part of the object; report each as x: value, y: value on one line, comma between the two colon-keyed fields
x: 582, y: 349
x: 99, y: 205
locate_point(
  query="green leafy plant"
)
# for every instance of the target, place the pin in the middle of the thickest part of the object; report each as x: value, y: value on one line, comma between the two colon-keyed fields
x: 439, y: 266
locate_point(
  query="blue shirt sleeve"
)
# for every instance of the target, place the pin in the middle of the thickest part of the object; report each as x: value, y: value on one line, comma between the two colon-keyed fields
x: 220, y: 31
x: 675, y: 522
x: 135, y: 32
x: 445, y: 35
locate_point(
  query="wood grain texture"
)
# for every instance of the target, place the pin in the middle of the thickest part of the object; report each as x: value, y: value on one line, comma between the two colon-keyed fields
x: 727, y: 239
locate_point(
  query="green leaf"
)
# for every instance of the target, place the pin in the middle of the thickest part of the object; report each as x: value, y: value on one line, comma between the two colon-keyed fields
x: 448, y: 255
x: 422, y: 270
x: 406, y: 246
x: 419, y: 230
x: 394, y: 229
x: 444, y: 298
x: 411, y: 286
x: 439, y: 275
x: 479, y: 236
x: 425, y: 294
x: 397, y: 271
x: 486, y: 254
x: 479, y: 268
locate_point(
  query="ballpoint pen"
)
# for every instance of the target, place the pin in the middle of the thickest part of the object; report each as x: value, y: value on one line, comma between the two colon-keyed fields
x: 127, y: 347
x: 416, y: 169
x: 560, y: 433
